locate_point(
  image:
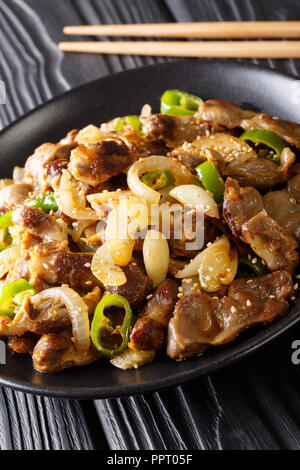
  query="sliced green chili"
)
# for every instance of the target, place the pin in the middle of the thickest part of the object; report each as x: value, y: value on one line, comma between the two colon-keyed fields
x: 211, y: 180
x: 158, y: 179
x: 5, y: 220
x: 258, y: 268
x: 12, y: 296
x: 133, y: 121
x: 101, y: 325
x: 179, y: 102
x: 46, y: 203
x: 266, y: 137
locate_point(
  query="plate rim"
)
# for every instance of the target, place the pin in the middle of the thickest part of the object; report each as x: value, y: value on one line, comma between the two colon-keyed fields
x: 248, y: 347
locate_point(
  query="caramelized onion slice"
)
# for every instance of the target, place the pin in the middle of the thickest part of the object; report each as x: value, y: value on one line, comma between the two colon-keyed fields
x: 192, y: 268
x: 76, y: 308
x: 105, y: 269
x: 156, y: 256
x: 70, y: 201
x: 197, y: 198
x: 155, y: 162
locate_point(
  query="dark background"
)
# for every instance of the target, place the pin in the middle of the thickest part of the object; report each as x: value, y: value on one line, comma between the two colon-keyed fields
x: 252, y: 405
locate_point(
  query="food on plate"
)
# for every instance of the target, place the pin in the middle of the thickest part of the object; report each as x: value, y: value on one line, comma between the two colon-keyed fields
x: 173, y: 231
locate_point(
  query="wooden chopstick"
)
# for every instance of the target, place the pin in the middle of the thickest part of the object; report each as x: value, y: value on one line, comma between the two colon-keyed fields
x: 212, y: 30
x: 232, y: 49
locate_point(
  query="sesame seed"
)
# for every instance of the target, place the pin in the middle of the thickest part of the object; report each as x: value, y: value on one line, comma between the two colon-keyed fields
x: 271, y: 296
x: 296, y: 285
x: 180, y: 295
x: 87, y: 265
x: 248, y: 303
x: 233, y: 309
x: 249, y: 281
x: 254, y: 260
x: 292, y: 298
x: 149, y: 296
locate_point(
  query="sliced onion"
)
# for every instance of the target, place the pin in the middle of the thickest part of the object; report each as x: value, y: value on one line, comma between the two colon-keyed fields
x: 192, y: 268
x: 119, y: 244
x: 90, y: 135
x: 156, y: 162
x: 18, y: 173
x: 105, y: 269
x: 197, y: 198
x: 130, y: 359
x: 71, y: 202
x: 217, y: 267
x: 8, y: 258
x: 156, y: 256
x: 110, y: 199
x: 78, y: 228
x: 76, y: 308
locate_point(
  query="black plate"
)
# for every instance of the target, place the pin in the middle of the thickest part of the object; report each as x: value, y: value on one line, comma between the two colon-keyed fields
x: 124, y: 94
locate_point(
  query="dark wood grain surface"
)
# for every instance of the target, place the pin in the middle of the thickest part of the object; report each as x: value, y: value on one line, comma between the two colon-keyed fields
x: 252, y: 405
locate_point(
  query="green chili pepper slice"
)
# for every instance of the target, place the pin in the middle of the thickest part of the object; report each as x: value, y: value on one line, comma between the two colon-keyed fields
x: 133, y: 121
x: 101, y: 325
x: 46, y: 203
x: 179, y: 102
x: 158, y: 179
x: 12, y: 296
x: 268, y: 138
x: 211, y: 180
x: 258, y: 268
x: 5, y: 220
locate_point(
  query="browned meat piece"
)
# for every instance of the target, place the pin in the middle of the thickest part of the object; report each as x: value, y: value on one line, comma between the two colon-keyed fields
x: 14, y: 195
x: 97, y: 164
x: 148, y: 333
x: 260, y: 172
x: 175, y: 130
x: 56, y: 265
x: 54, y: 172
x: 36, y: 164
x: 200, y: 321
x: 141, y: 148
x: 240, y: 205
x: 189, y: 155
x: 190, y: 241
x: 137, y: 287
x: 230, y: 115
x: 192, y: 327
x: 270, y: 241
x: 38, y: 223
x: 23, y: 344
x: 244, y: 213
x: 284, y: 208
x: 56, y: 352
x: 249, y: 170
x: 293, y: 187
x: 50, y: 319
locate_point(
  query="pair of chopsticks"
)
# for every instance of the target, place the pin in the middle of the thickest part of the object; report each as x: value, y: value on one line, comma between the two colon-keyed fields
x: 211, y: 30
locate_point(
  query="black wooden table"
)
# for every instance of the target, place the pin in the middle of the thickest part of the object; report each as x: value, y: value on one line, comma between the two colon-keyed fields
x: 252, y: 405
